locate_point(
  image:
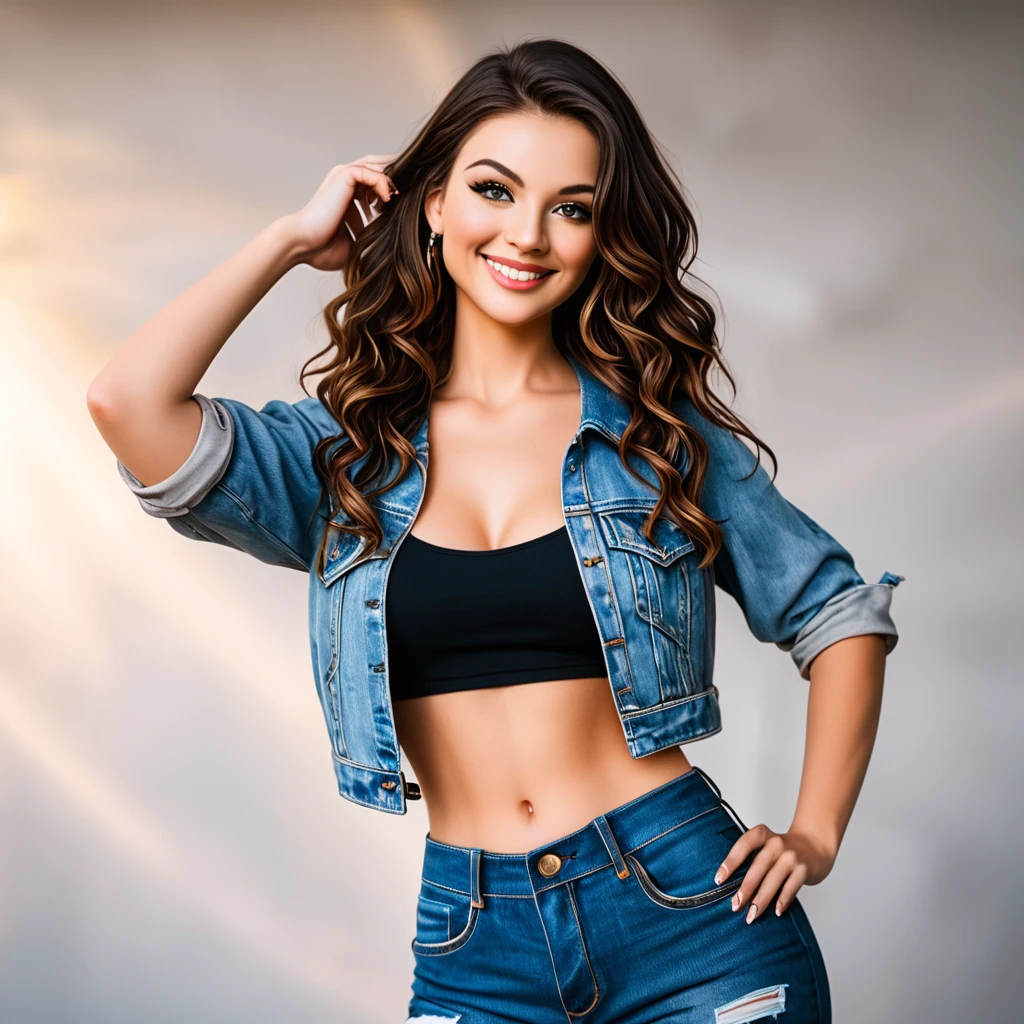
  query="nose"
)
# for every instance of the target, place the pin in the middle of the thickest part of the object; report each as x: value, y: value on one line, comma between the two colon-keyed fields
x: 525, y: 230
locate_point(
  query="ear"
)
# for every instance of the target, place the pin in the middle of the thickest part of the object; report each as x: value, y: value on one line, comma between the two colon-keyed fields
x: 432, y: 209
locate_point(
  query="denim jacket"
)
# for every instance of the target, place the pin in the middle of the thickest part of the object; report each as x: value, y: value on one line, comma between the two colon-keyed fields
x: 249, y: 483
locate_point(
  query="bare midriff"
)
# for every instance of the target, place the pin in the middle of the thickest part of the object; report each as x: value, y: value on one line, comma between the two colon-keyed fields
x: 510, y: 768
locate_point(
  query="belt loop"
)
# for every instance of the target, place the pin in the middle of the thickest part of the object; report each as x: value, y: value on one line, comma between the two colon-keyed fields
x: 474, y: 878
x: 604, y: 830
x: 728, y: 806
x: 707, y: 778
x: 718, y: 793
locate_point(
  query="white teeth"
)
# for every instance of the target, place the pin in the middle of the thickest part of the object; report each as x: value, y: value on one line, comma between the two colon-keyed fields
x: 512, y: 273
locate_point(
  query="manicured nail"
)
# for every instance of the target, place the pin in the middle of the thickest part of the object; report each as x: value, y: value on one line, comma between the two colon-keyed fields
x: 737, y: 899
x: 751, y: 912
x: 778, y: 910
x: 719, y: 875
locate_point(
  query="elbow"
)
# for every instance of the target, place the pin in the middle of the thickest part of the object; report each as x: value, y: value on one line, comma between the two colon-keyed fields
x: 857, y: 611
x: 103, y: 402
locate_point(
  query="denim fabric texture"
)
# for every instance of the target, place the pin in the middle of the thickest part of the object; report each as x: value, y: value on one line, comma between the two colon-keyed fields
x: 250, y: 484
x: 620, y: 922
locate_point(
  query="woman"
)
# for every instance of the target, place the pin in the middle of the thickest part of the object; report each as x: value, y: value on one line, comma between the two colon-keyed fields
x: 533, y: 620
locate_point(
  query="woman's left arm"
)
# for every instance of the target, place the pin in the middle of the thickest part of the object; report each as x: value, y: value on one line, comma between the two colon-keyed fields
x: 843, y: 709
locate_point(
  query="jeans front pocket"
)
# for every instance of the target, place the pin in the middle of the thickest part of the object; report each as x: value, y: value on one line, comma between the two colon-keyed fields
x: 676, y: 869
x: 445, y: 920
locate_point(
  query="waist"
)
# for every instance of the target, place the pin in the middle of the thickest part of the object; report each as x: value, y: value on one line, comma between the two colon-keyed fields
x: 588, y: 849
x: 507, y: 768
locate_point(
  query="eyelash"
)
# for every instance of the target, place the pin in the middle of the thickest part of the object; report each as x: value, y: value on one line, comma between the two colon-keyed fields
x: 486, y: 186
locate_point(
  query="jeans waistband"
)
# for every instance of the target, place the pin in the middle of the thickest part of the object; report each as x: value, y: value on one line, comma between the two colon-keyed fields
x: 601, y: 843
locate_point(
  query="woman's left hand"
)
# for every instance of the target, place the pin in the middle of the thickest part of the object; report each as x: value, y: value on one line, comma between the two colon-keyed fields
x: 787, y: 861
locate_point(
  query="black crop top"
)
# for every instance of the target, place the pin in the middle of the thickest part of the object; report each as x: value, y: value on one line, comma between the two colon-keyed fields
x: 463, y: 620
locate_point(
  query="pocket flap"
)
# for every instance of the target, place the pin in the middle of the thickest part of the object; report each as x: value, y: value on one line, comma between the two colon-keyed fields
x: 623, y: 529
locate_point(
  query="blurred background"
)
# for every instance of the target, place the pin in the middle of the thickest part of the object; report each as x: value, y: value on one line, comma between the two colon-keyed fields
x: 172, y: 844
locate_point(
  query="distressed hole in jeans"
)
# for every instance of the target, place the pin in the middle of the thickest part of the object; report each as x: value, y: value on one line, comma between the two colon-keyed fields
x: 764, y: 1002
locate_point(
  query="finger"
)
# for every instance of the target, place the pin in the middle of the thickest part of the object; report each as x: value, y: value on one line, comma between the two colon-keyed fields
x: 790, y: 889
x: 755, y: 873
x: 773, y: 881
x: 377, y: 181
x: 741, y: 849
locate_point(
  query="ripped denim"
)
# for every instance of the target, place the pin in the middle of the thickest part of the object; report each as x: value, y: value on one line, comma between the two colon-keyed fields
x: 620, y: 921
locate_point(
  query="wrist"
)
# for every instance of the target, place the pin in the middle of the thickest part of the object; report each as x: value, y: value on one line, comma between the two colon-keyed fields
x: 284, y: 237
x: 825, y: 838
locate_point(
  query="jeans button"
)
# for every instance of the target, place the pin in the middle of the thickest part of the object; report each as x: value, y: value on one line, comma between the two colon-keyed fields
x: 549, y: 864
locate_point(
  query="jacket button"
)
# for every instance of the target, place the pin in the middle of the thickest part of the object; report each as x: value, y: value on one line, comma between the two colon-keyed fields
x: 572, y: 467
x: 388, y: 785
x: 379, y: 667
x: 549, y: 864
x: 373, y: 603
x: 335, y: 552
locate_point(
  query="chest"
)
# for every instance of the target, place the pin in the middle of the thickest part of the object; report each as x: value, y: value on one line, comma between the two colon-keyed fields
x: 495, y: 477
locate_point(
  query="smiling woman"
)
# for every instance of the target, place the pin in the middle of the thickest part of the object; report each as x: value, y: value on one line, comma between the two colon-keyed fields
x: 518, y: 317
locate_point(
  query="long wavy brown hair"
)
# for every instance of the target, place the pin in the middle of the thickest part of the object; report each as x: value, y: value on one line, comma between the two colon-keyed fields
x: 634, y: 322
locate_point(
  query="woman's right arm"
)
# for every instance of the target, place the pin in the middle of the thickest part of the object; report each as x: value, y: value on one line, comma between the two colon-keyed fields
x: 141, y: 400
x: 217, y: 469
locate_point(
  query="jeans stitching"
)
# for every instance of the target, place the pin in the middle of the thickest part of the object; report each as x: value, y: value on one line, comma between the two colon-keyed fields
x: 586, y: 956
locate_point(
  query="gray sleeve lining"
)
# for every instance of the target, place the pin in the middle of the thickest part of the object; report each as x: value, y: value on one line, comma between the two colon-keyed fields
x: 198, y: 474
x: 859, y: 610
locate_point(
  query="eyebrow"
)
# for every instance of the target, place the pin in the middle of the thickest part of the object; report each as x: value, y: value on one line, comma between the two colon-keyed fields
x: 501, y: 168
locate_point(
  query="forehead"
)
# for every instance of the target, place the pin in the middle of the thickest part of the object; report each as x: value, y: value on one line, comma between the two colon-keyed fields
x: 541, y: 149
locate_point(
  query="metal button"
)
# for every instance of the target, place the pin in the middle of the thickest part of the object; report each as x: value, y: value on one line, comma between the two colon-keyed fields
x: 572, y: 467
x: 373, y: 603
x: 335, y: 552
x: 390, y: 784
x: 379, y: 667
x: 549, y: 864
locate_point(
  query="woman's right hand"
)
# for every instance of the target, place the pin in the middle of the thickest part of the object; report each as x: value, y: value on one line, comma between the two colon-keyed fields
x: 324, y: 227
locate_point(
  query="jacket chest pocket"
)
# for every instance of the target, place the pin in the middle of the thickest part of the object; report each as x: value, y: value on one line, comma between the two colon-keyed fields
x: 654, y: 572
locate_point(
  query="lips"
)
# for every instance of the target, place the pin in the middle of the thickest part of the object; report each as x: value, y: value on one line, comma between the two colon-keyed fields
x: 530, y: 268
x: 515, y: 284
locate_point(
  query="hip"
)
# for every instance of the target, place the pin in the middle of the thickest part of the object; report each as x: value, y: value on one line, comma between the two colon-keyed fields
x: 620, y: 920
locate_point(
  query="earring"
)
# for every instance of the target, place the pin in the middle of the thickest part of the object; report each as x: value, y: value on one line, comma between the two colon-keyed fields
x: 434, y: 236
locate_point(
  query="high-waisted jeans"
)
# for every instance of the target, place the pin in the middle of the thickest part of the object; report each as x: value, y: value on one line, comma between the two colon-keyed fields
x: 620, y: 921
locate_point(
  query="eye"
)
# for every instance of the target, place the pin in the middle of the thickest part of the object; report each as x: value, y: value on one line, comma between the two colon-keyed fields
x: 490, y: 186
x: 581, y: 216
x: 583, y: 210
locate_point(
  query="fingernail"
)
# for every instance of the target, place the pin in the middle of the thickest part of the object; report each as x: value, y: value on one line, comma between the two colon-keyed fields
x: 778, y: 910
x: 751, y: 912
x: 737, y: 899
x: 719, y: 875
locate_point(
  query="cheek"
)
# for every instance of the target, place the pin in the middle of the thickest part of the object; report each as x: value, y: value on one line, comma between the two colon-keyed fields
x: 577, y: 254
x: 471, y: 227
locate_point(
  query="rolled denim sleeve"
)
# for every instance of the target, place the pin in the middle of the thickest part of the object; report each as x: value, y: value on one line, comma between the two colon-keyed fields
x: 796, y: 585
x: 199, y: 473
x: 249, y: 482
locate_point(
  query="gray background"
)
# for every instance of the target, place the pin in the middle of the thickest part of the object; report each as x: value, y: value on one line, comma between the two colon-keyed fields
x: 172, y: 845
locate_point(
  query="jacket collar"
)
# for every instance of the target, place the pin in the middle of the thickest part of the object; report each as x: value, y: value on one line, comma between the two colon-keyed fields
x: 601, y: 408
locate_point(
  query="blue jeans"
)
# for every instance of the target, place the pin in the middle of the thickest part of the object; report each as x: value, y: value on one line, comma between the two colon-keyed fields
x: 620, y: 921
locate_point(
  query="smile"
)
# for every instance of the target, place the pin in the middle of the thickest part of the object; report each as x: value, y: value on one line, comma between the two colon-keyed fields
x: 518, y: 280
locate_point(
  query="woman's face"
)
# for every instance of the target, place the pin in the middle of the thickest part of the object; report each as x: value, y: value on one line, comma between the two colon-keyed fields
x: 520, y: 192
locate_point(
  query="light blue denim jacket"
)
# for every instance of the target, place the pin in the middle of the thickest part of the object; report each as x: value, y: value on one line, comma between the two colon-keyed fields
x: 249, y: 483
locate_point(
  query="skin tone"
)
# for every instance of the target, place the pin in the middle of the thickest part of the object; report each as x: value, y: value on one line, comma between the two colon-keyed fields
x: 506, y: 768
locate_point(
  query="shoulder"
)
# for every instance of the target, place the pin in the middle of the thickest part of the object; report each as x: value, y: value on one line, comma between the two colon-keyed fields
x: 727, y: 452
